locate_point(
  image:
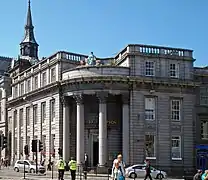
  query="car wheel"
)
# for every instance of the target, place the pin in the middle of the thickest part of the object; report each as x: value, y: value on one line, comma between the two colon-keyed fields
x: 32, y: 170
x: 160, y: 176
x: 16, y: 169
x: 133, y: 175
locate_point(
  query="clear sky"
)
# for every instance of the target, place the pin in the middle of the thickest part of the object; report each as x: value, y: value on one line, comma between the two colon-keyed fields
x: 106, y: 26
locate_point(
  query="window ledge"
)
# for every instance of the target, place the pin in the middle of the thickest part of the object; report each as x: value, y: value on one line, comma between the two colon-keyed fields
x: 149, y: 119
x: 150, y: 157
x: 177, y: 159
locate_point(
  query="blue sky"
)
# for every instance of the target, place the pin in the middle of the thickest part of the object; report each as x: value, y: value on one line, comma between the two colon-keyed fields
x: 106, y: 26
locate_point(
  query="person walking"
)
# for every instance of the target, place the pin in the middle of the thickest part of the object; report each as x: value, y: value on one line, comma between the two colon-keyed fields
x: 148, y: 170
x: 198, y: 175
x: 118, y: 171
x: 61, y: 168
x: 73, y: 168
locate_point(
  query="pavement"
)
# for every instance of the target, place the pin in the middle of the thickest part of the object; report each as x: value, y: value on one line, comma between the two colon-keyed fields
x: 10, y: 174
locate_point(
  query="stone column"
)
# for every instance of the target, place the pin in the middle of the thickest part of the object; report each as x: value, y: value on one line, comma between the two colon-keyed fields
x: 48, y: 130
x: 13, y: 137
x: 102, y: 129
x: 80, y: 129
x: 32, y: 130
x: 66, y: 131
x: 18, y: 136
x: 125, y: 130
x: 25, y: 129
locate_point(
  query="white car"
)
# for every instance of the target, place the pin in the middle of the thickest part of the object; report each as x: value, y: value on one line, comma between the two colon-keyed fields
x: 30, y: 166
x: 139, y: 171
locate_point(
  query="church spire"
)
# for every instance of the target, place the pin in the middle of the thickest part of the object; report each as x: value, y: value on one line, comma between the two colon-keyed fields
x: 29, y: 46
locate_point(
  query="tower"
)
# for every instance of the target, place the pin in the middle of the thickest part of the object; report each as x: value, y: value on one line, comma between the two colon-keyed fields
x: 29, y: 46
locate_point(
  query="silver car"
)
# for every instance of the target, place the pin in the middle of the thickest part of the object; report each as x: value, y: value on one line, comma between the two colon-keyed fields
x: 139, y: 171
x: 30, y: 166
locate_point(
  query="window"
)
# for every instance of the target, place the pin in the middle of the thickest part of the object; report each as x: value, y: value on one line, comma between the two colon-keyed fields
x: 43, y: 111
x: 15, y: 91
x: 175, y: 110
x: 28, y: 116
x: 174, y: 73
x: 53, y: 112
x: 53, y: 74
x: 149, y: 67
x: 36, y: 82
x: 35, y: 113
x: 21, y: 117
x: 21, y: 89
x: 204, y: 130
x: 149, y: 108
x: 176, y: 147
x: 204, y: 96
x: 44, y: 143
x: 28, y: 85
x: 15, y: 118
x: 44, y: 79
x: 150, y: 146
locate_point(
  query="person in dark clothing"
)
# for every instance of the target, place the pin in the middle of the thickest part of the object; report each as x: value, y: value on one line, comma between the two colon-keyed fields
x: 148, y: 170
x: 198, y: 175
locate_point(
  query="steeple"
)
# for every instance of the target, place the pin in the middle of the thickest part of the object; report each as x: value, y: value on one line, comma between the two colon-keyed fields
x: 29, y: 46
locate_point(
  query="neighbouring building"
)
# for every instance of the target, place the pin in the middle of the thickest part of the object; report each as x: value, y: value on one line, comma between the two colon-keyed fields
x: 140, y: 103
x: 201, y: 148
x: 5, y: 91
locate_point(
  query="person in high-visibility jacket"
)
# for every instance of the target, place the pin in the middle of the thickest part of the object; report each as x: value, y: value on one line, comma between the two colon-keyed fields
x: 61, y: 168
x: 73, y: 168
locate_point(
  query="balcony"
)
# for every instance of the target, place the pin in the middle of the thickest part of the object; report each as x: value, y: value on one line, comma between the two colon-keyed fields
x: 95, y: 71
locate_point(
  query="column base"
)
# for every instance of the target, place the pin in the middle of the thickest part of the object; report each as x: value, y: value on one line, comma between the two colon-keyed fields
x: 101, y: 169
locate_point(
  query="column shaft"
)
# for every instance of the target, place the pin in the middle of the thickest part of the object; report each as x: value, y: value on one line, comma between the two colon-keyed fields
x: 102, y: 132
x: 49, y: 117
x: 125, y: 137
x: 66, y: 132
x: 13, y: 138
x: 80, y: 130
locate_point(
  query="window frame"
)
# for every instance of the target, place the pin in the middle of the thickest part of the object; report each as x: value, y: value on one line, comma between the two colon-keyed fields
x: 35, y: 114
x: 203, y: 94
x: 175, y: 110
x: 22, y: 89
x: 35, y: 83
x: 201, y: 132
x: 149, y: 69
x: 150, y: 112
x: 43, y: 112
x: 16, y: 91
x: 53, y: 75
x: 44, y: 78
x: 52, y: 110
x: 154, y: 144
x: 21, y: 117
x: 175, y: 71
x: 180, y: 149
x: 28, y: 115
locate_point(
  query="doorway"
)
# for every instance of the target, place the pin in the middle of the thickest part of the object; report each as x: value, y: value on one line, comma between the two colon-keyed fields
x: 95, y: 153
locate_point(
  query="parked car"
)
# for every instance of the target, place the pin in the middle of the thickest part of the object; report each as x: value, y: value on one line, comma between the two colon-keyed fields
x: 139, y: 171
x: 30, y: 166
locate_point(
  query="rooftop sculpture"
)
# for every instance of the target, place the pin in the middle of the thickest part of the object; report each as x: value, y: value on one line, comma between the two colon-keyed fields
x: 91, y: 61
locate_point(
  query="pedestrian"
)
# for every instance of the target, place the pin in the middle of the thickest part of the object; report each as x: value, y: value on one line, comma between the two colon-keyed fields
x: 61, y: 168
x: 198, y: 175
x: 86, y: 161
x: 118, y: 171
x: 148, y: 170
x: 73, y: 168
x: 205, y: 175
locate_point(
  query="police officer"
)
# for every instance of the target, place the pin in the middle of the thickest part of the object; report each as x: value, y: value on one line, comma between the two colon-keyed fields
x: 73, y: 168
x: 61, y: 168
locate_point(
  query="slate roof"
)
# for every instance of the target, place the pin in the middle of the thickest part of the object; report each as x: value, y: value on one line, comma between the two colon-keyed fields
x: 4, y: 64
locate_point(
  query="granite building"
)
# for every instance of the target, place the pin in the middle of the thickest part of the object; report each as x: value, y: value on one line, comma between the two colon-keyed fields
x: 140, y: 103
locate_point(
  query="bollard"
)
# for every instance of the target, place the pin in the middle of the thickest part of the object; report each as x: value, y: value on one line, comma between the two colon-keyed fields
x: 52, y: 171
x: 134, y: 174
x: 24, y: 170
x: 85, y: 174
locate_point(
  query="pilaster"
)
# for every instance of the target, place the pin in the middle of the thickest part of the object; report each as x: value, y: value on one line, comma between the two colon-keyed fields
x: 125, y: 128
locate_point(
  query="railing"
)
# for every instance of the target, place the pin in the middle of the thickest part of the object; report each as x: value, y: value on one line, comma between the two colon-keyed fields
x: 71, y: 56
x: 156, y: 50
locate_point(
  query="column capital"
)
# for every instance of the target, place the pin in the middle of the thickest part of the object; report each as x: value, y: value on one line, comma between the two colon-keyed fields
x: 125, y: 98
x: 78, y: 98
x: 102, y: 96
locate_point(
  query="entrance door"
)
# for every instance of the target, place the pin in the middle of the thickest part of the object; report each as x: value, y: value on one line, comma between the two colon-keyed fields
x: 95, y: 153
